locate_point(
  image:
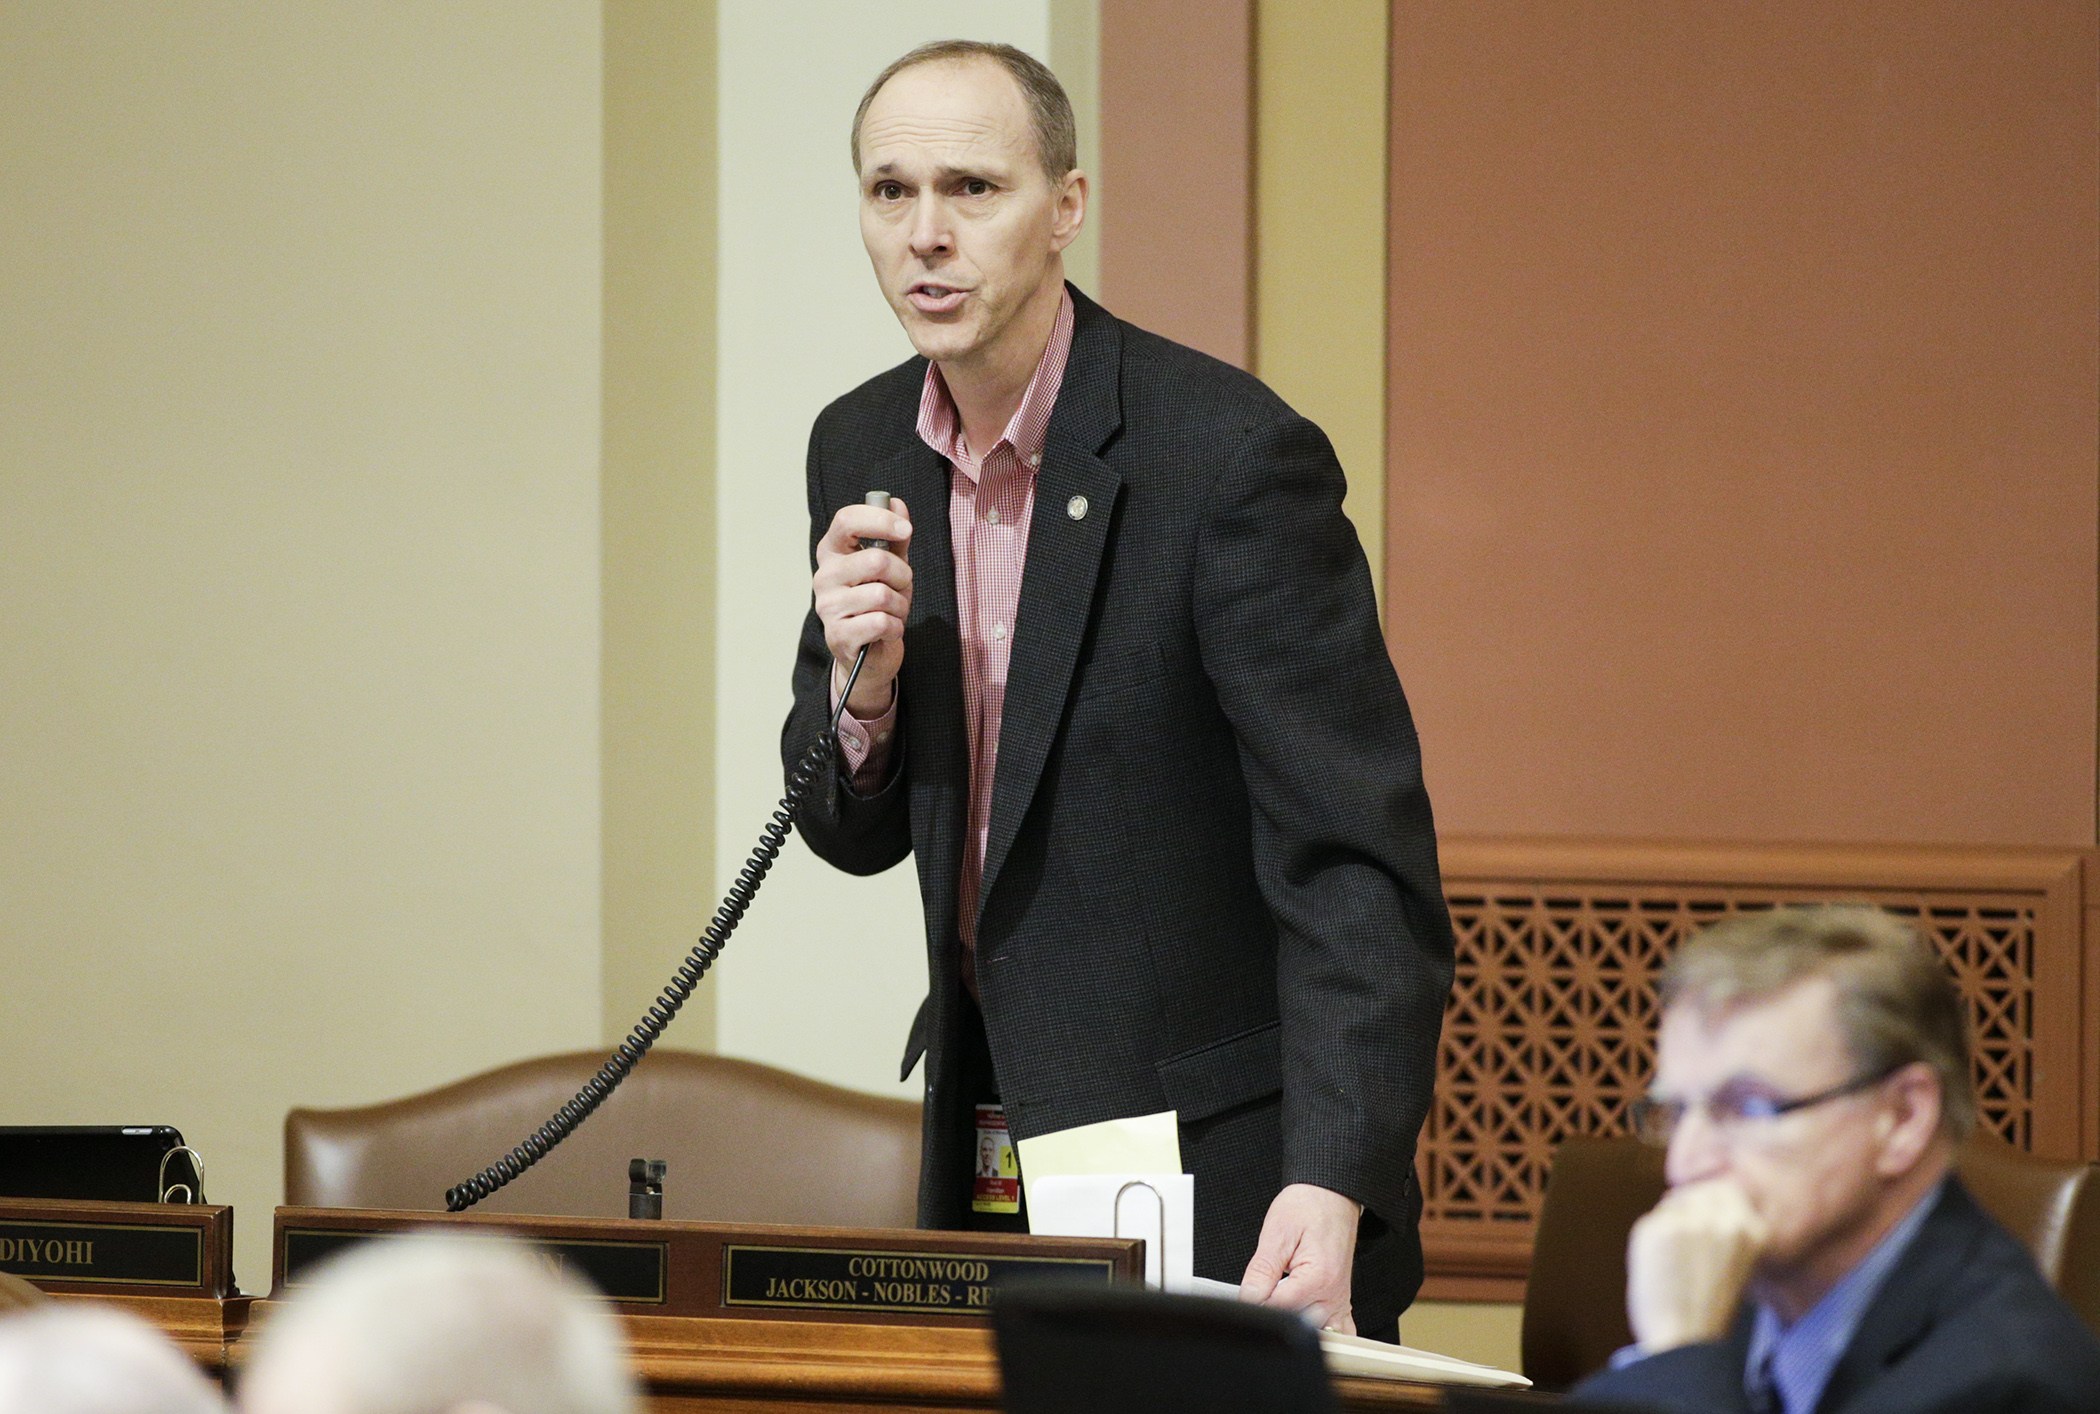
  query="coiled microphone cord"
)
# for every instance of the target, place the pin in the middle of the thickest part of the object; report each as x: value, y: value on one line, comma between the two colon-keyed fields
x: 808, y: 771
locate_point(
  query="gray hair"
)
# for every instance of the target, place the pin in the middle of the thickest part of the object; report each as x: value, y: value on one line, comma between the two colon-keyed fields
x: 96, y: 1360
x: 426, y: 1322
x: 1049, y: 110
x: 1895, y: 1001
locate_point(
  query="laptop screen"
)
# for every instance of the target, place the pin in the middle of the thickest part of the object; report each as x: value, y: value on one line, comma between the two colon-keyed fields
x: 120, y: 1162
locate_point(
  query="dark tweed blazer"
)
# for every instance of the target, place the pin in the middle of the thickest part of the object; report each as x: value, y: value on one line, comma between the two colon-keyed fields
x: 1211, y: 878
x: 1963, y: 1325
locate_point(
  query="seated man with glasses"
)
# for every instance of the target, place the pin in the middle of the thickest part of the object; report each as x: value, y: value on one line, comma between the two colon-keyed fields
x: 1815, y: 1252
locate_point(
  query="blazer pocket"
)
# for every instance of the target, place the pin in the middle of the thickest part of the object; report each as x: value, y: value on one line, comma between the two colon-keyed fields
x: 1109, y: 676
x: 1215, y: 1077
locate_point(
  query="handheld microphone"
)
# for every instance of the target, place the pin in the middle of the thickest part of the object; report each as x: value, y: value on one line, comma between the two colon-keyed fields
x: 880, y: 500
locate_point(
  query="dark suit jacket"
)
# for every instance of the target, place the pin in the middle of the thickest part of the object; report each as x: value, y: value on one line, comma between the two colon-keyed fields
x: 1964, y: 1324
x: 1211, y: 880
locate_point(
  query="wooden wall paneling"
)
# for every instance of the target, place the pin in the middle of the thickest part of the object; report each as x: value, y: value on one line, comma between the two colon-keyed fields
x: 2089, y: 964
x: 2060, y: 1080
x: 1552, y: 1022
x: 1742, y: 437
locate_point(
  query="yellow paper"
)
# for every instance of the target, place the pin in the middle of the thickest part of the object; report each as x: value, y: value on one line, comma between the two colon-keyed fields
x: 1145, y: 1144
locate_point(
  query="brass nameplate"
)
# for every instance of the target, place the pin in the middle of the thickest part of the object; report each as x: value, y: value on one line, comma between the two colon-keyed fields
x: 103, y: 1254
x: 752, y: 1271
x: 904, y: 1283
x: 624, y: 1271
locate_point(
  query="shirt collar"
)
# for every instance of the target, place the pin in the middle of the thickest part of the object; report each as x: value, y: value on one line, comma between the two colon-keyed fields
x: 1804, y: 1355
x: 940, y: 425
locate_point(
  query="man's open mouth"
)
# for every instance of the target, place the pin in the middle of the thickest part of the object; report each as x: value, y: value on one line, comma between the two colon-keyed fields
x: 931, y: 297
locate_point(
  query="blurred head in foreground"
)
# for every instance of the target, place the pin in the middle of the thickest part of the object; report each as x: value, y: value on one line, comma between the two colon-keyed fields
x: 93, y: 1360
x: 430, y: 1324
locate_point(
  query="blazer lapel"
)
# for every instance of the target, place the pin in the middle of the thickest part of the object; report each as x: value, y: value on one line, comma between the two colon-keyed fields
x: 1906, y: 1306
x: 1075, y: 504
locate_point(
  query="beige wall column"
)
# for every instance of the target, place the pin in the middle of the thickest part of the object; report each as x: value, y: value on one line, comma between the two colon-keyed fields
x: 827, y: 970
x: 1319, y: 226
x: 659, y: 492
x: 1319, y: 303
x: 1075, y: 56
x: 299, y: 627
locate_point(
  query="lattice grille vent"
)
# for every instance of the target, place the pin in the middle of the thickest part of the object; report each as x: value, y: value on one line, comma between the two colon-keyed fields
x: 1551, y: 1026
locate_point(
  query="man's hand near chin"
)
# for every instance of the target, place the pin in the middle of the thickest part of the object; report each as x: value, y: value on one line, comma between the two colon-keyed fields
x: 1303, y: 1261
x: 1687, y: 1262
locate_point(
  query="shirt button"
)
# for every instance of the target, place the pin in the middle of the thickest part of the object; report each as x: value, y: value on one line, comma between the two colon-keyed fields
x: 999, y: 630
x: 1035, y: 458
x: 992, y: 515
x: 882, y: 736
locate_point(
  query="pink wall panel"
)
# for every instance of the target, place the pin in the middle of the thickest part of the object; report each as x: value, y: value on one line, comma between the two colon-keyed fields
x: 1744, y: 454
x: 1177, y: 158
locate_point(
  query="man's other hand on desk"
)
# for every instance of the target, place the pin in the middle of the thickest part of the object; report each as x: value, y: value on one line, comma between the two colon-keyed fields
x: 1304, y: 1258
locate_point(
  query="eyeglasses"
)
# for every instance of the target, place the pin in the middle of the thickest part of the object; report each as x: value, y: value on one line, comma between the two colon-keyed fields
x: 1737, y: 1106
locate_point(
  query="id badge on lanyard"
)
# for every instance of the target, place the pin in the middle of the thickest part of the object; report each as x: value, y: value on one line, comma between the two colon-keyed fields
x: 997, y: 1188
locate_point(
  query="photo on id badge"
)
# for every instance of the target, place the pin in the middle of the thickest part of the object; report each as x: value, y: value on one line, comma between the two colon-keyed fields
x: 998, y: 1185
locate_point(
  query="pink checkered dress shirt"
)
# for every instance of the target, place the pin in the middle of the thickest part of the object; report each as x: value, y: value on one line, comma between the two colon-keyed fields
x: 990, y: 499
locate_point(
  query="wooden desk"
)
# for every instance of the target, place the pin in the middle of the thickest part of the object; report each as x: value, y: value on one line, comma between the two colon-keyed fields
x: 782, y: 1367
x: 695, y: 1350
x: 721, y: 1365
x: 169, y: 1264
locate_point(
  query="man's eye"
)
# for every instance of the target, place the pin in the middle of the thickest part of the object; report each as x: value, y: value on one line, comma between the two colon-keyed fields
x: 888, y: 191
x: 977, y: 186
x: 1745, y: 1102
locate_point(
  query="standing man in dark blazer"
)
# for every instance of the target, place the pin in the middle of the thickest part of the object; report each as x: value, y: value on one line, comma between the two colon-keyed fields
x: 1127, y: 703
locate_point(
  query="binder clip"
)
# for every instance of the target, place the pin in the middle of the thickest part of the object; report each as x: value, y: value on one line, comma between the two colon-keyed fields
x: 190, y: 1193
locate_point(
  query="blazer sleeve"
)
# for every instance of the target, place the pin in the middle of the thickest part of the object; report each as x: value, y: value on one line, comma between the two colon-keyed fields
x: 1344, y: 844
x: 859, y: 834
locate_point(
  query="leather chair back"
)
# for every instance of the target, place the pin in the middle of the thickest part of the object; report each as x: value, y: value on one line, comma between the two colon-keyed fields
x: 1575, y: 1301
x: 744, y: 1143
x: 2052, y: 1206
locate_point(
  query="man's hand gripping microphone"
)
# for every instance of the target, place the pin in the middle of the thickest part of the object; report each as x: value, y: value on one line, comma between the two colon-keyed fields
x: 880, y: 500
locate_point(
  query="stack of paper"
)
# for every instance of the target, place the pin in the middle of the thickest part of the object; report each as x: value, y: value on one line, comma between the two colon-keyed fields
x: 1355, y: 1355
x: 1374, y: 1359
x: 1120, y: 1178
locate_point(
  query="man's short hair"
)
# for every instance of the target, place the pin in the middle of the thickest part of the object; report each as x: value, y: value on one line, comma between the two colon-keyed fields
x: 403, y: 1325
x: 1895, y: 1001
x: 1049, y: 111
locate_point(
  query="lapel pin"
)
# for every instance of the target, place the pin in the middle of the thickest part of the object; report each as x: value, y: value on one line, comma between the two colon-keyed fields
x: 1076, y: 508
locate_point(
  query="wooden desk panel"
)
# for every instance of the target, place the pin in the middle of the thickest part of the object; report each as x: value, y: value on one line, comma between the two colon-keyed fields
x: 722, y: 1365
x: 782, y: 1367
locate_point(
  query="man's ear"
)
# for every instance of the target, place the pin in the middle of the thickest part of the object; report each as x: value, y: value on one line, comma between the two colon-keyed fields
x: 1909, y: 1119
x: 1069, y: 212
